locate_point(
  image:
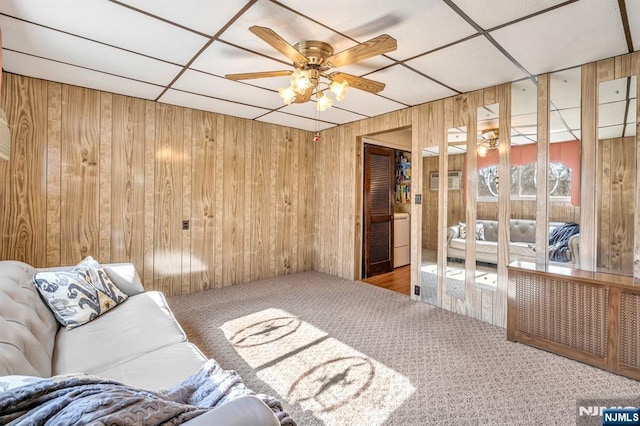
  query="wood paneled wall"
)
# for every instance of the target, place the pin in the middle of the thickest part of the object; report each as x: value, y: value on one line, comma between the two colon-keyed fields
x: 94, y: 173
x: 616, y: 200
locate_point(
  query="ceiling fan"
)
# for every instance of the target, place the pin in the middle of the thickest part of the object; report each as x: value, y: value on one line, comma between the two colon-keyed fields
x: 312, y: 60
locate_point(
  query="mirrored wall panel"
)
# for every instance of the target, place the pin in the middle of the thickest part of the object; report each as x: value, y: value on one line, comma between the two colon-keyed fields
x: 616, y: 175
x: 563, y: 190
x: 523, y: 206
x: 456, y: 213
x: 429, y: 265
x: 485, y: 230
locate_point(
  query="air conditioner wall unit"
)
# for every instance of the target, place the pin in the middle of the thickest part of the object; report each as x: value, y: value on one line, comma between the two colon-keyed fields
x: 454, y: 180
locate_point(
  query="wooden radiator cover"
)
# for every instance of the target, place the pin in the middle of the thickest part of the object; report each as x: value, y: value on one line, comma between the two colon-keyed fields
x: 590, y: 317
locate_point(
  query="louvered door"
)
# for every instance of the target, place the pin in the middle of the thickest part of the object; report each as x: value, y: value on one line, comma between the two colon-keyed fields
x: 378, y: 210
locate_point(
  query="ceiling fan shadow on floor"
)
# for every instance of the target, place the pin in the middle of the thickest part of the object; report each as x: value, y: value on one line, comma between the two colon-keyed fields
x: 312, y: 60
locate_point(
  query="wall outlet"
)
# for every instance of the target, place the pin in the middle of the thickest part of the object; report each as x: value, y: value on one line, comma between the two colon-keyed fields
x: 418, y: 198
x: 416, y: 290
x: 185, y: 225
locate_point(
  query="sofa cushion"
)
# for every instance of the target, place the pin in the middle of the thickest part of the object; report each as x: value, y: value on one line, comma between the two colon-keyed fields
x: 27, y: 326
x: 80, y: 295
x: 159, y: 369
x: 143, y: 324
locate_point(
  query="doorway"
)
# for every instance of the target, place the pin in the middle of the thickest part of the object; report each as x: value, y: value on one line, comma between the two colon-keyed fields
x: 386, y: 252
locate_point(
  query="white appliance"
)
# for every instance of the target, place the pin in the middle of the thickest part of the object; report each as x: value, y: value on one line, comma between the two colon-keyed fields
x: 401, y: 239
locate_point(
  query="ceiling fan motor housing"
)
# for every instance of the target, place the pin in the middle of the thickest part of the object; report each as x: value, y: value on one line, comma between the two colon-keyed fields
x: 315, y: 52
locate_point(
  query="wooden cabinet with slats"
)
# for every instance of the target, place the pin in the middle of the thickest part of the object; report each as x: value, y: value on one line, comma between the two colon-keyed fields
x: 587, y: 316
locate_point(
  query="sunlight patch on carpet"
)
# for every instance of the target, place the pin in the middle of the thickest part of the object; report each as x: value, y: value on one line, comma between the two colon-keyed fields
x: 306, y: 366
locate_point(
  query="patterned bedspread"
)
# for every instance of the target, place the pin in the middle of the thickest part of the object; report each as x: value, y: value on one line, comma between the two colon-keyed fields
x: 83, y: 399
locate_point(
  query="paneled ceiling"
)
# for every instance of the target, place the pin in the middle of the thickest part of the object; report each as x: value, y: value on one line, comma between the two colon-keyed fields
x: 178, y: 52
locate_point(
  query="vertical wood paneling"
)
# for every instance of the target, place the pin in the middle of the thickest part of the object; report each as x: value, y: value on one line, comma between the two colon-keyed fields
x: 542, y: 149
x: 219, y: 201
x: 186, y: 201
x: 589, y: 134
x: 110, y: 176
x: 203, y: 200
x: 261, y: 211
x: 167, y: 200
x: 79, y: 212
x: 54, y: 148
x: 104, y: 178
x: 149, y: 193
x: 636, y: 217
x: 127, y: 176
x: 24, y: 237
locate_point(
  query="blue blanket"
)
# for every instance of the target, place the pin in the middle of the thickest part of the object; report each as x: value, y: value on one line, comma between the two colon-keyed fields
x: 79, y: 399
x: 559, y: 241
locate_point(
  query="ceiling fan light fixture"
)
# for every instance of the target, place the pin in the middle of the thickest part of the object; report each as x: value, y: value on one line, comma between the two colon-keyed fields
x: 488, y: 140
x: 323, y: 102
x: 300, y: 81
x: 288, y: 95
x: 339, y: 89
x: 482, y: 150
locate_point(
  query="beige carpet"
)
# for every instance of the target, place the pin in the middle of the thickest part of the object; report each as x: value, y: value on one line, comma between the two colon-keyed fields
x: 339, y: 352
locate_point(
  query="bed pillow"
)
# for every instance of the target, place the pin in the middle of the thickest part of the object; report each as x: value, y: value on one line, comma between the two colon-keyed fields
x: 78, y: 296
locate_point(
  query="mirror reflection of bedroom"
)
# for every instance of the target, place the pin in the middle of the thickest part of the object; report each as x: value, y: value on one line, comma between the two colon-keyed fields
x: 387, y: 237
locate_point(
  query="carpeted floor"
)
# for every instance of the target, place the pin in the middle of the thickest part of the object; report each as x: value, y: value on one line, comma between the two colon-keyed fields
x: 339, y: 352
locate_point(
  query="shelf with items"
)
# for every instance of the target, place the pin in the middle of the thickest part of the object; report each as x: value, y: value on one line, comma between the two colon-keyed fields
x: 403, y: 177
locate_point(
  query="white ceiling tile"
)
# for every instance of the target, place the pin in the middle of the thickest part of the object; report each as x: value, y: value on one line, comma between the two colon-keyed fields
x: 565, y: 88
x: 469, y: 65
x: 631, y: 113
x: 611, y: 114
x: 561, y: 136
x: 368, y: 104
x: 524, y: 97
x: 220, y: 58
x: 633, y: 14
x: 406, y: 86
x: 522, y: 139
x: 610, y: 132
x: 332, y: 115
x: 616, y: 90
x: 294, y: 121
x: 417, y: 25
x: 176, y: 97
x: 568, y: 37
x: 218, y: 87
x: 570, y: 116
x: 50, y: 44
x: 54, y: 71
x: 209, y: 17
x: 111, y: 23
x: 524, y: 120
x: 496, y: 12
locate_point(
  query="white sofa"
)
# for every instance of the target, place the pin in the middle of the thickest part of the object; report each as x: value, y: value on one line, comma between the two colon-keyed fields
x: 139, y: 342
x: 521, y: 245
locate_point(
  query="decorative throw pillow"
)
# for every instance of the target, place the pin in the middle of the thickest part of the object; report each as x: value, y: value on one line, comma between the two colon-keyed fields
x: 480, y: 232
x: 80, y: 295
x: 462, y: 229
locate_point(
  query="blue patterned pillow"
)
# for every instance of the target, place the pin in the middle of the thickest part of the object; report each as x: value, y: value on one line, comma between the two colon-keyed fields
x: 80, y: 295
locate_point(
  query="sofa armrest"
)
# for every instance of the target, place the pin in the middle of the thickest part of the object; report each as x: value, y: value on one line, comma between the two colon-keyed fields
x: 452, y: 232
x: 574, y: 247
x: 246, y: 410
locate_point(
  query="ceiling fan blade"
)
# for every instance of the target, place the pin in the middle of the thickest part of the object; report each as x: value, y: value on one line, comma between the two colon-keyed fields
x: 278, y: 43
x: 356, y: 82
x: 376, y: 46
x: 252, y: 75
